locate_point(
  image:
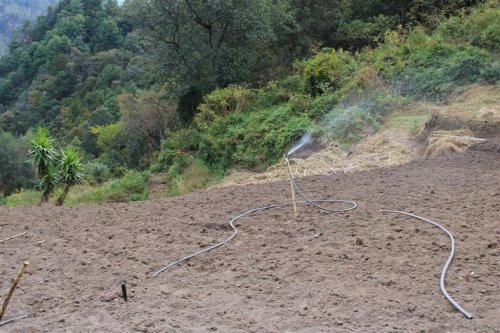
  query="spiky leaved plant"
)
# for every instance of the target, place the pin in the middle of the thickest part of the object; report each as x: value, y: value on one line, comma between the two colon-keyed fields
x: 44, y: 155
x: 69, y: 172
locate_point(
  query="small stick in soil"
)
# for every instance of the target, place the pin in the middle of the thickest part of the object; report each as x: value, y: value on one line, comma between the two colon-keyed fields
x: 6, y: 239
x: 124, y: 294
x: 18, y: 277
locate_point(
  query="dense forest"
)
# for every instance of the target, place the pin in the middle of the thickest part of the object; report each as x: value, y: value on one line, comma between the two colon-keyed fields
x: 193, y: 87
x: 16, y: 13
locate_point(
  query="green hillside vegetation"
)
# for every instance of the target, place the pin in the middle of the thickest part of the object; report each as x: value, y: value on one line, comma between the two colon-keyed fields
x: 195, y: 89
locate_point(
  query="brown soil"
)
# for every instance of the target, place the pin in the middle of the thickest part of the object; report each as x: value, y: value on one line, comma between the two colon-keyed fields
x: 367, y: 272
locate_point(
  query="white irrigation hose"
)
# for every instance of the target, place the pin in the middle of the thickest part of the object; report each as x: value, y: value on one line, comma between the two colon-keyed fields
x: 5, y: 322
x: 235, y: 230
x: 313, y: 202
x: 446, y: 265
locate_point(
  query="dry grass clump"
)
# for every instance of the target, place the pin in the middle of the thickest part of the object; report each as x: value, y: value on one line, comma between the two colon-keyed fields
x: 445, y: 142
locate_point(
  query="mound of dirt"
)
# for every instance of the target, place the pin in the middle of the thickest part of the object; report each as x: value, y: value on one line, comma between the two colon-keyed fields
x: 360, y: 271
x: 450, y: 133
x: 491, y: 145
x: 484, y: 123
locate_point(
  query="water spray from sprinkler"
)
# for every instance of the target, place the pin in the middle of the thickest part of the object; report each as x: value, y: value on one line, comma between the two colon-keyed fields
x: 304, y: 140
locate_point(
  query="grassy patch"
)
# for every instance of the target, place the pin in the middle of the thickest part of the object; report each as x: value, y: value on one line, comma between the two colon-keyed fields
x: 24, y: 198
x: 131, y: 187
x: 409, y: 123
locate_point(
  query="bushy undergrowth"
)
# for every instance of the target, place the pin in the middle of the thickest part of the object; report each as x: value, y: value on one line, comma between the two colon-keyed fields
x: 96, y: 173
x: 342, y: 95
x: 480, y: 28
x: 188, y: 174
x: 349, y: 122
x: 23, y: 198
x: 131, y: 187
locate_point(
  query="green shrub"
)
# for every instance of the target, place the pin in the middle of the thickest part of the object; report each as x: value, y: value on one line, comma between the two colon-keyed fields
x: 278, y: 92
x: 96, y: 172
x: 479, y: 28
x: 328, y: 71
x: 439, y: 69
x: 181, y: 142
x: 195, y: 176
x: 388, y: 58
x: 253, y: 139
x: 372, y: 29
x: 188, y: 173
x: 423, y: 66
x: 222, y: 102
x: 351, y: 121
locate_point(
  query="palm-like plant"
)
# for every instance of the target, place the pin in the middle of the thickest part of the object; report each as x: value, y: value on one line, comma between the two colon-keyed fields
x: 48, y: 182
x: 69, y: 172
x: 44, y: 155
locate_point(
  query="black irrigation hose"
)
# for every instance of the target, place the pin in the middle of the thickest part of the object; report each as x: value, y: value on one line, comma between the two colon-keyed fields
x: 446, y: 265
x: 235, y: 230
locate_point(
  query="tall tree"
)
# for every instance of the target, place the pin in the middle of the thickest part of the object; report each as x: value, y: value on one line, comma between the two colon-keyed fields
x: 211, y: 43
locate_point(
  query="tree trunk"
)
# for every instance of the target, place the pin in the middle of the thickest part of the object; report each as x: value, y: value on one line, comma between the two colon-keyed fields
x: 45, y: 197
x: 61, y: 199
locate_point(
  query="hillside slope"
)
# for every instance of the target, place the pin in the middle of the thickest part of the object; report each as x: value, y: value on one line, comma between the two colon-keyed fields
x: 361, y: 271
x: 415, y: 131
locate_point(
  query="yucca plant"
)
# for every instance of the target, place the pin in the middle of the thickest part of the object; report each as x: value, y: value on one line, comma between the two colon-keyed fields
x: 69, y: 172
x: 48, y: 182
x: 44, y: 155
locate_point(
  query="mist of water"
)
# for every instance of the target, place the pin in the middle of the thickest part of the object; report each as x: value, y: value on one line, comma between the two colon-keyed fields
x: 304, y: 140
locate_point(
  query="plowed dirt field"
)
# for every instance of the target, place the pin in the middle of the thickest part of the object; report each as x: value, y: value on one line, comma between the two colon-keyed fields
x: 360, y: 271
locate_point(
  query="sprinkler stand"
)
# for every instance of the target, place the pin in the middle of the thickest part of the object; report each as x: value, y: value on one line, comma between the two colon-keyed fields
x: 292, y: 188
